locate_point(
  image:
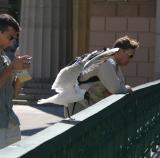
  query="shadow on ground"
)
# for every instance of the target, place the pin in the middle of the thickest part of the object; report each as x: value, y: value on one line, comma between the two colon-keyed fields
x: 30, y: 132
x: 51, y: 109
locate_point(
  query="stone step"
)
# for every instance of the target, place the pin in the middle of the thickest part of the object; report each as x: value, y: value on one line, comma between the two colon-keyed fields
x: 23, y: 102
x: 43, y: 91
x: 23, y: 96
x: 31, y: 102
x: 34, y: 84
x: 30, y: 99
x: 32, y: 92
x: 38, y: 85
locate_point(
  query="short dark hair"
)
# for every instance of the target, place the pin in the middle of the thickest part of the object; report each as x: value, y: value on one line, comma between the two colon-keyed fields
x: 6, y: 20
x: 126, y: 43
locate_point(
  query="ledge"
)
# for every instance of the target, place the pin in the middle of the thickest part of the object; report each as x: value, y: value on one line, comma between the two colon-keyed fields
x: 28, y: 145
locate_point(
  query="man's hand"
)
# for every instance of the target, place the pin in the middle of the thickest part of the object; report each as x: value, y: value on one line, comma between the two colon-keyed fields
x: 129, y: 89
x: 21, y: 62
x: 17, y: 85
x: 107, y: 93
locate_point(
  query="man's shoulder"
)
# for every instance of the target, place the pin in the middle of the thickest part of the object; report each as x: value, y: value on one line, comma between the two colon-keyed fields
x: 109, y: 62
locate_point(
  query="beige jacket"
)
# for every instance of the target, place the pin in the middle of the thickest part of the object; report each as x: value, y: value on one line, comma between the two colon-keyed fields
x: 111, y: 81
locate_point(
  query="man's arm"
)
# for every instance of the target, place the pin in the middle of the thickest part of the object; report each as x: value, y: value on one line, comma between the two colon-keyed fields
x: 107, y: 75
x: 17, y: 85
x: 6, y: 74
x: 19, y: 63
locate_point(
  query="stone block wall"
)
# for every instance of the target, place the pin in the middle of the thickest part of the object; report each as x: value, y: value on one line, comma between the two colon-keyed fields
x: 111, y: 19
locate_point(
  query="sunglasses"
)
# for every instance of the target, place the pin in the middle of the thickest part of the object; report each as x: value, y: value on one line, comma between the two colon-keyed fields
x: 130, y: 53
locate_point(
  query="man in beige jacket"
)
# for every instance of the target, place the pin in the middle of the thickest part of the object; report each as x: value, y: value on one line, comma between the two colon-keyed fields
x: 109, y: 77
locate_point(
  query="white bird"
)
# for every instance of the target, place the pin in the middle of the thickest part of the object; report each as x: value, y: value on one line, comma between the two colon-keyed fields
x: 66, y: 83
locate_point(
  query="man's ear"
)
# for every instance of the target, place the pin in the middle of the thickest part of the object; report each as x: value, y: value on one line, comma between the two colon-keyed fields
x: 119, y: 54
x: 119, y: 51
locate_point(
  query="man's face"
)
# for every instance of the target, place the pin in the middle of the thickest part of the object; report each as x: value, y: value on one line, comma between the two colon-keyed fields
x: 125, y: 56
x: 7, y: 38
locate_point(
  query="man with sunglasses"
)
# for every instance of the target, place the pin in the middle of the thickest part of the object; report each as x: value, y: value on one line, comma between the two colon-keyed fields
x: 108, y: 76
x: 10, y: 84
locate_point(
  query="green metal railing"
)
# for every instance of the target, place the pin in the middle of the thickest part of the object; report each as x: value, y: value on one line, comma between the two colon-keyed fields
x: 120, y: 126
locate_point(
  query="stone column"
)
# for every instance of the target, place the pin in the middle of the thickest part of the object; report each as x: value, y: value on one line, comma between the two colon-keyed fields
x: 157, y: 49
x: 46, y: 35
x: 61, y: 34
x: 80, y: 27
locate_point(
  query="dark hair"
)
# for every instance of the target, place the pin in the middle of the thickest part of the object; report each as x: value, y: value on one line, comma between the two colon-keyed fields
x: 6, y: 20
x: 126, y: 43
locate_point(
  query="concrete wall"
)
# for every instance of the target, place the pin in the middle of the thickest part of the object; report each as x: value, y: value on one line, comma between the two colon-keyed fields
x: 110, y: 20
x: 119, y: 126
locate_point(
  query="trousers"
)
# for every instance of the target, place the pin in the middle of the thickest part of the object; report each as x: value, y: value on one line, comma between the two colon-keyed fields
x: 9, y: 135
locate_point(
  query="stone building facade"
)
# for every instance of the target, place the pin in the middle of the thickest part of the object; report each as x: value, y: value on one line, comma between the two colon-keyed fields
x: 115, y: 18
x: 55, y: 31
